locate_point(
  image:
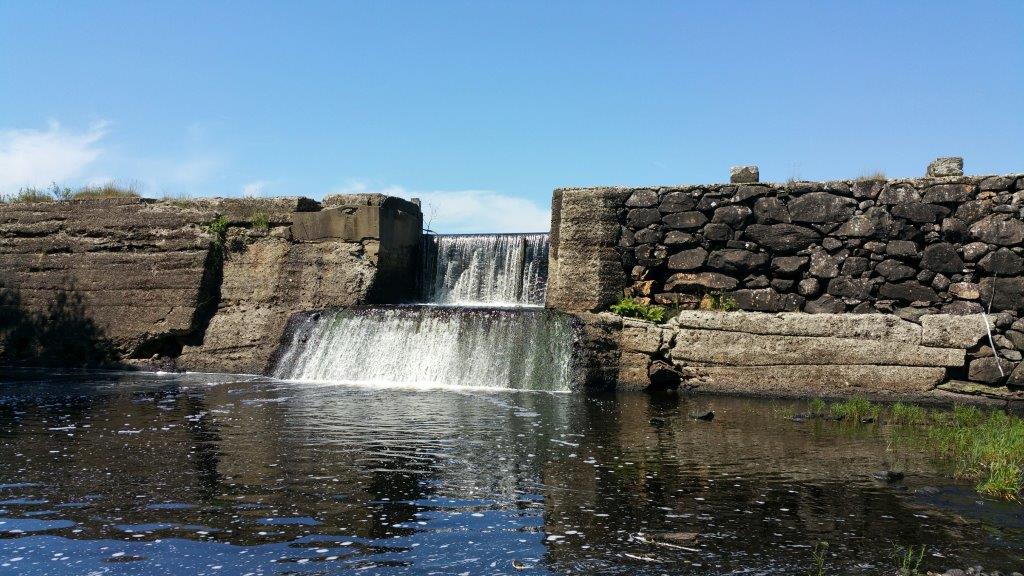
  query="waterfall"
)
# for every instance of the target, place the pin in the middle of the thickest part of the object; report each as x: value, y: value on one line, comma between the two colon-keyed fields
x: 527, y: 348
x: 485, y: 269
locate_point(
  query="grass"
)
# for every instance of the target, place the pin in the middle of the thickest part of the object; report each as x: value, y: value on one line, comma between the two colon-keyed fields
x: 55, y: 193
x: 631, y: 308
x: 817, y: 407
x: 108, y: 190
x: 987, y: 448
x: 856, y: 409
x: 27, y: 196
x: 718, y: 301
x: 876, y: 175
x: 819, y: 554
x: 218, y: 228
x: 260, y: 221
x: 908, y: 563
x: 903, y: 413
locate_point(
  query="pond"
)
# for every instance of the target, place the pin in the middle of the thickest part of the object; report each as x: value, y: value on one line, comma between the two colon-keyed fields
x: 136, y: 473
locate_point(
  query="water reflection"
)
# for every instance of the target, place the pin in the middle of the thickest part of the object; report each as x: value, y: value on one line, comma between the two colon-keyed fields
x: 194, y: 474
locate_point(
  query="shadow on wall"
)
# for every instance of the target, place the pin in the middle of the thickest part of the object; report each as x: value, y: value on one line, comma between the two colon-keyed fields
x: 62, y: 335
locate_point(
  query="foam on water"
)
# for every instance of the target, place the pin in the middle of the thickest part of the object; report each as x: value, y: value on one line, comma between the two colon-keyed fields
x: 429, y: 346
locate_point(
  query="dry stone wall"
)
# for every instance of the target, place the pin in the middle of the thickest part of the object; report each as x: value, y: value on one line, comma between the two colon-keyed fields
x: 944, y: 245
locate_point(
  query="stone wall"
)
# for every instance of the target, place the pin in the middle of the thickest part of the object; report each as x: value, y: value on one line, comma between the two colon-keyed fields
x: 145, y: 282
x: 946, y: 244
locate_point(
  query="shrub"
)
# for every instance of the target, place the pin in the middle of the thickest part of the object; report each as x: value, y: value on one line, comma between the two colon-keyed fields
x: 27, y: 195
x: 855, y: 409
x: 218, y: 228
x: 631, y: 308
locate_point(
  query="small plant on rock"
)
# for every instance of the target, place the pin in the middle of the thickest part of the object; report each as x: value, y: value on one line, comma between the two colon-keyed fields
x: 632, y: 308
x: 218, y: 228
x: 260, y: 221
x: 718, y: 301
x: 819, y: 554
x: 855, y: 409
x: 908, y: 562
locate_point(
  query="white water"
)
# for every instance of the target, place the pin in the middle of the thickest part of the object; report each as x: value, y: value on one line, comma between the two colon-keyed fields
x: 486, y: 269
x: 429, y: 346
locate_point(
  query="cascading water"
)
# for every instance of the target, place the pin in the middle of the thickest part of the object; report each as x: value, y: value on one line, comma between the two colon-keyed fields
x: 527, y: 349
x: 485, y: 269
x: 482, y: 325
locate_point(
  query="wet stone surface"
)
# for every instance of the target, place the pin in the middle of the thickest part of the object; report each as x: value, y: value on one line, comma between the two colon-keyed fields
x: 201, y: 474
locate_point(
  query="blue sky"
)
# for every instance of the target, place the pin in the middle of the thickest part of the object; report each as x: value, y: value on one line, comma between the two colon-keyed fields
x: 483, y: 108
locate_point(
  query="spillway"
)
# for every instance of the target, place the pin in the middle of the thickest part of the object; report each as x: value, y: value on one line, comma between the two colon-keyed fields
x: 485, y: 269
x: 427, y: 346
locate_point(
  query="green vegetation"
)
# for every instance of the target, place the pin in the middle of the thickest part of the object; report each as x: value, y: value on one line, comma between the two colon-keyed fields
x: 989, y: 449
x: 857, y: 408
x: 817, y: 407
x: 261, y: 221
x: 27, y: 195
x: 55, y: 193
x: 631, y: 308
x: 908, y: 563
x: 218, y: 227
x: 903, y: 413
x: 819, y: 554
x: 718, y: 301
x: 108, y: 190
x: 876, y: 175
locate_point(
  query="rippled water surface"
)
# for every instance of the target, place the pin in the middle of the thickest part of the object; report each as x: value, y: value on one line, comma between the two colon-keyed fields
x: 115, y: 473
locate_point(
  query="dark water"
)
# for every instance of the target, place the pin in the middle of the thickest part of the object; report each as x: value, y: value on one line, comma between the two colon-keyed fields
x: 149, y: 474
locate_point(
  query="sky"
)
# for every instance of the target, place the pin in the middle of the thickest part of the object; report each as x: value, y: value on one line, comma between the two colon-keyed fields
x: 482, y: 108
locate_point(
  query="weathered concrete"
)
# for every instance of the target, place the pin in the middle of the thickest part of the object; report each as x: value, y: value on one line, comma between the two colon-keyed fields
x: 946, y: 331
x: 206, y: 283
x: 865, y: 326
x: 816, y: 380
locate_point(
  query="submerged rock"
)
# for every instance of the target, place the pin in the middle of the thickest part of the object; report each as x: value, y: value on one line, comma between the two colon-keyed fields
x: 889, y: 476
x: 706, y: 415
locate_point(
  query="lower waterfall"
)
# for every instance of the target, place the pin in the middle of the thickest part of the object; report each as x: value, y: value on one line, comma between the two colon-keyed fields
x: 524, y: 348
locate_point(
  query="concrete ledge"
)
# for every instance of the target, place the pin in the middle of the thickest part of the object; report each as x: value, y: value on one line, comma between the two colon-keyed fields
x: 743, y: 349
x: 818, y: 380
x: 865, y: 326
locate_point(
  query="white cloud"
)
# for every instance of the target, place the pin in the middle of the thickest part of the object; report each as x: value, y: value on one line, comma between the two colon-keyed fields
x: 462, y: 211
x: 38, y: 157
x: 254, y: 188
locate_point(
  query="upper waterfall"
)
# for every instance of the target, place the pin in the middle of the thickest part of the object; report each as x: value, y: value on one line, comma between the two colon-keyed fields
x: 491, y: 269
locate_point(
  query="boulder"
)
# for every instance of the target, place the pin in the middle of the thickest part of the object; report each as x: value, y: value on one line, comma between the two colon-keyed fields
x: 942, y: 257
x: 678, y: 238
x: 766, y: 300
x: 717, y: 232
x: 734, y: 216
x: 1000, y: 229
x: 843, y: 287
x: 989, y: 370
x: 644, y: 198
x: 827, y: 304
x: 771, y: 210
x: 642, y: 217
x: 920, y: 212
x: 868, y: 327
x: 948, y: 193
x: 688, y: 259
x: 907, y: 292
x: 685, y: 220
x: 894, y: 270
x: 678, y: 202
x: 965, y: 290
x: 784, y: 238
x: 819, y: 207
x: 825, y: 265
x: 974, y: 250
x: 855, y: 266
x: 684, y: 281
x: 735, y: 260
x: 948, y: 331
x: 901, y: 248
x: 788, y: 265
x: 744, y: 174
x: 822, y: 380
x: 946, y: 166
x: 1003, y: 293
x: 1002, y: 262
x: 898, y: 194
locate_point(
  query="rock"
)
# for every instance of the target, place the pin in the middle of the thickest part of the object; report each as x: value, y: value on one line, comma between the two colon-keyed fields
x: 678, y: 238
x: 974, y: 210
x: 818, y: 207
x: 894, y: 270
x: 1002, y: 262
x: 855, y: 266
x: 1000, y: 229
x: 678, y: 202
x: 744, y: 174
x: 647, y: 236
x: 744, y: 193
x: 827, y: 304
x: 808, y: 287
x: 684, y: 220
x: 874, y: 327
x: 948, y: 193
x: 708, y: 280
x: 942, y: 257
x: 1003, y: 293
x: 642, y: 199
x: 1016, y: 378
x: 734, y: 216
x: 663, y: 376
x: 642, y: 217
x: 888, y: 476
x: 688, y: 259
x: 844, y: 287
x: 962, y: 308
x: 907, y: 292
x: 707, y: 415
x: 948, y: 331
x: 771, y: 210
x: 946, y: 166
x: 974, y: 250
x: 824, y: 265
x: 742, y: 349
x: 788, y: 265
x: 766, y: 300
x: 989, y: 370
x: 901, y: 249
x: 965, y: 290
x: 997, y: 183
x: 820, y: 380
x: 954, y: 230
x: 898, y: 194
x: 717, y: 232
x: 920, y: 212
x: 859, y: 226
x: 784, y: 238
x: 739, y: 261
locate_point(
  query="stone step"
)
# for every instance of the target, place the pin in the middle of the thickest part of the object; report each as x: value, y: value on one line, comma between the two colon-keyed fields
x: 804, y: 380
x: 742, y: 349
x: 866, y: 326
